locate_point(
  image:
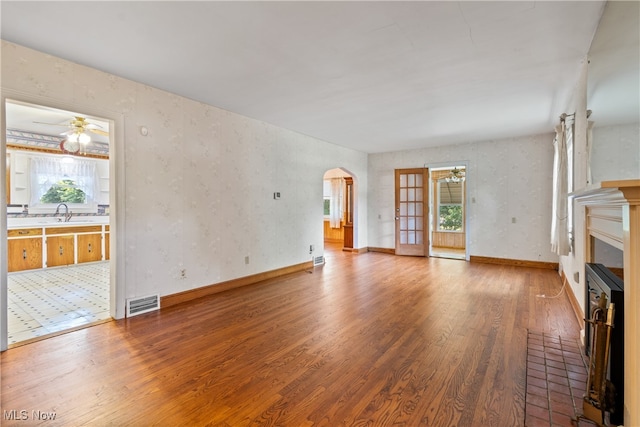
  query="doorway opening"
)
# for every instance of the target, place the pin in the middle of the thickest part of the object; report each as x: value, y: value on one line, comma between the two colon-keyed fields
x: 58, y: 221
x: 447, y: 223
x: 340, y: 209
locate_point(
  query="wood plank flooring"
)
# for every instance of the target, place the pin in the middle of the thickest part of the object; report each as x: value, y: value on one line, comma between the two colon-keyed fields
x: 368, y: 339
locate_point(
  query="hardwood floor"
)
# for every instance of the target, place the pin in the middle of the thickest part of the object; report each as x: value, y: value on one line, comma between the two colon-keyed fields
x: 368, y: 339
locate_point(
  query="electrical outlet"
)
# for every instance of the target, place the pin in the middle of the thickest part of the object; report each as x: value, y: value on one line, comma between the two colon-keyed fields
x: 310, y: 249
x: 246, y: 259
x: 183, y: 273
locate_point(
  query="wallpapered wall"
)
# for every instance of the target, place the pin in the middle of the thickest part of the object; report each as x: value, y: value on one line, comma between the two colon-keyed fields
x: 616, y: 152
x: 506, y: 179
x: 198, y: 189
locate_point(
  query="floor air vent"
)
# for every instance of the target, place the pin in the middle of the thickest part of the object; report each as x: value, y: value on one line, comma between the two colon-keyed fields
x: 141, y: 305
x: 319, y: 260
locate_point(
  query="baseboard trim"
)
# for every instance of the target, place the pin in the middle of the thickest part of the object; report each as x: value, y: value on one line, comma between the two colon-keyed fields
x: 180, y: 297
x: 383, y: 250
x: 356, y: 250
x: 514, y: 262
x: 573, y: 300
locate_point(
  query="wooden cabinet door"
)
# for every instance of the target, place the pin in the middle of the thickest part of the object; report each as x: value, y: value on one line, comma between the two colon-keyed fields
x: 106, y: 245
x: 24, y: 254
x: 60, y: 250
x: 89, y: 247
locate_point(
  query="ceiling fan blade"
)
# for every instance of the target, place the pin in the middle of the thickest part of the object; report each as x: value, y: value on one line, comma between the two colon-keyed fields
x: 99, y: 132
x: 52, y: 124
x: 89, y: 125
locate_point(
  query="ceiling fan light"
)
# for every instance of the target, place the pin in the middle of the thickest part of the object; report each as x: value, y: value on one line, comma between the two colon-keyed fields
x: 84, y: 138
x: 73, y: 137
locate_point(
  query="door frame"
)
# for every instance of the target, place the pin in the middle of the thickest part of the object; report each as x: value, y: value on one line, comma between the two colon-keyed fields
x: 467, y: 200
x: 355, y: 208
x: 117, y: 283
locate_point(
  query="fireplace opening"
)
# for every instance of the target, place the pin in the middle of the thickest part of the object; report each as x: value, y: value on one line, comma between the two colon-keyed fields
x: 599, y: 279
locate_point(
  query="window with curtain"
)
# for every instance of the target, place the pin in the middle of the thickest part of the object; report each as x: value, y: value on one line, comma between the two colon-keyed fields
x: 450, y: 207
x: 335, y: 208
x: 562, y: 177
x: 569, y: 139
x: 333, y: 201
x: 326, y: 193
x: 67, y: 180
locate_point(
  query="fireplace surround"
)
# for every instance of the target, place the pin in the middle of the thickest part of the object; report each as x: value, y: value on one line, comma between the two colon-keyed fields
x: 612, y: 214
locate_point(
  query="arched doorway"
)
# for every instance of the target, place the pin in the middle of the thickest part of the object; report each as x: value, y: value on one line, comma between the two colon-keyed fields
x: 340, y: 209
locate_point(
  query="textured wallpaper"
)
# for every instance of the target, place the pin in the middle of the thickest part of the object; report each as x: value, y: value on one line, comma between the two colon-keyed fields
x: 506, y: 179
x: 198, y: 188
x: 615, y: 152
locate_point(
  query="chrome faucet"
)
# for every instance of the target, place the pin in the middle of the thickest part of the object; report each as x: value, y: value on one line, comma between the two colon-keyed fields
x: 67, y: 213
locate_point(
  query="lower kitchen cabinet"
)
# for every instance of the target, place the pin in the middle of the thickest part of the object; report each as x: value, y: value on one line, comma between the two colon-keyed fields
x: 62, y: 245
x: 107, y: 243
x: 24, y: 254
x: 60, y: 250
x: 89, y: 247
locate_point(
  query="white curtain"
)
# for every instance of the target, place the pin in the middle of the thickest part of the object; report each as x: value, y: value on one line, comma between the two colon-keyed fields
x: 47, y: 171
x: 589, y: 143
x: 335, y: 209
x: 560, y: 213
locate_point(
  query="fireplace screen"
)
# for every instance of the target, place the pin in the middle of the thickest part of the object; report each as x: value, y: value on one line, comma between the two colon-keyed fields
x: 601, y: 280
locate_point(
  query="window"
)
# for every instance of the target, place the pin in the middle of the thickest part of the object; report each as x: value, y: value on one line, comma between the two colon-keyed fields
x: 333, y: 200
x: 56, y: 179
x: 450, y: 206
x: 326, y: 192
x: 569, y: 137
x: 64, y: 191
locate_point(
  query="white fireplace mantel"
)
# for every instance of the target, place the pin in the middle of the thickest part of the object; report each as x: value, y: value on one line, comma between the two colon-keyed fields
x: 612, y: 211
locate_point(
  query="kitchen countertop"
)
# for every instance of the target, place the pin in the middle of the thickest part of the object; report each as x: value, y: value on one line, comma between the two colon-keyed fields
x: 46, y: 222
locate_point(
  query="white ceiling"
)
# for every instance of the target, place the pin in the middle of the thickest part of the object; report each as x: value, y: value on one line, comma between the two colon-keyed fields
x: 372, y: 76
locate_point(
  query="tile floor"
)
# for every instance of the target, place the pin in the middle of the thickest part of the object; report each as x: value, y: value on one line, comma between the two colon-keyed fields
x: 48, y: 301
x: 556, y: 381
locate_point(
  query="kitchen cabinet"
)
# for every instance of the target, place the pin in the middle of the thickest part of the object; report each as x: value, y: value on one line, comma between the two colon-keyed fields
x: 60, y: 250
x: 56, y: 245
x: 107, y: 242
x: 25, y: 253
x: 64, y: 243
x: 89, y: 247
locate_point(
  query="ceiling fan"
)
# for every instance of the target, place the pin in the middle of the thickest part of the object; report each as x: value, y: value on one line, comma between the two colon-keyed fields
x: 77, y: 135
